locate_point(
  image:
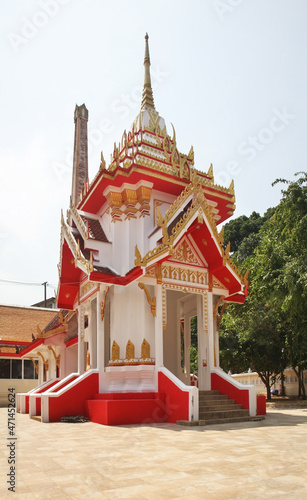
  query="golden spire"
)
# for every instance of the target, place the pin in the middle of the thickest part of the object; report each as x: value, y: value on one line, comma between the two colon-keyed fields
x: 147, y: 97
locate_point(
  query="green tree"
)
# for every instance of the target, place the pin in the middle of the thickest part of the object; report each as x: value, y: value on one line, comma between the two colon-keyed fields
x: 271, y: 330
x: 281, y: 258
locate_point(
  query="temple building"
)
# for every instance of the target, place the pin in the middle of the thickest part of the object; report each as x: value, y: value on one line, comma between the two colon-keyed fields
x: 142, y: 264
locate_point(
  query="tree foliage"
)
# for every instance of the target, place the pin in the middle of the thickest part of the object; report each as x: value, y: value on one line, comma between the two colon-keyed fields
x: 271, y: 330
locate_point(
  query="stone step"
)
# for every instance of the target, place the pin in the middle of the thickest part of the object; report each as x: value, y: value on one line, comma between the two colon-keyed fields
x: 216, y: 415
x: 207, y: 393
x: 206, y: 409
x: 219, y: 397
x: 194, y: 423
x: 225, y: 420
x: 216, y: 402
x: 36, y: 417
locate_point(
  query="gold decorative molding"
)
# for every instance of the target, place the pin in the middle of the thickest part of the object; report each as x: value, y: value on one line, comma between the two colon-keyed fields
x: 45, y: 361
x: 75, y: 248
x: 151, y: 271
x: 130, y: 350
x: 130, y: 360
x: 130, y: 201
x: 145, y: 350
x: 220, y: 316
x: 205, y: 312
x: 216, y: 307
x: 103, y: 302
x: 86, y: 288
x: 221, y: 235
x: 217, y: 284
x: 115, y: 201
x: 164, y: 312
x: 159, y: 273
x: 115, y: 351
x: 83, y: 229
x: 189, y: 276
x: 35, y: 364
x: 151, y: 301
x: 151, y: 255
x: 184, y: 253
x: 57, y: 358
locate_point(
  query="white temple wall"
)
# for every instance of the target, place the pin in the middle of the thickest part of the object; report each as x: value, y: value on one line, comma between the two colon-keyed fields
x: 71, y: 361
x: 93, y: 334
x: 131, y: 319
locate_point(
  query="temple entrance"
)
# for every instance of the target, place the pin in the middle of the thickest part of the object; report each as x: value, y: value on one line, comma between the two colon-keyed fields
x: 185, y: 343
x: 189, y: 348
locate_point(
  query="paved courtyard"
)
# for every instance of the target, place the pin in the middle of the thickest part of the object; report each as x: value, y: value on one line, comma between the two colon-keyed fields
x: 253, y: 460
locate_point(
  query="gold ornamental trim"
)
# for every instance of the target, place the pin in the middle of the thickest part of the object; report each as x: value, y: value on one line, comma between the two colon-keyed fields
x: 45, y: 361
x: 79, y: 258
x: 151, y: 255
x: 151, y: 301
x: 103, y: 302
x: 57, y: 358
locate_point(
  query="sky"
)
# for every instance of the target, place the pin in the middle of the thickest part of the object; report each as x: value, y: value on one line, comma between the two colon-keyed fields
x: 230, y: 75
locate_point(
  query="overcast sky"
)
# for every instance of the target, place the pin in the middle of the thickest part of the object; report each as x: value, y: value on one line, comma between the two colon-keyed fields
x: 231, y: 75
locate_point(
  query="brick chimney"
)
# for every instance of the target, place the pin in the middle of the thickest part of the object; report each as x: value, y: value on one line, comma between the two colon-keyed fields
x: 80, y: 164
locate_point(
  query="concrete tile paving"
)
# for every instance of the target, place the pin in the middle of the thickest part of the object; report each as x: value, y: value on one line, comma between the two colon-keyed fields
x: 248, y: 460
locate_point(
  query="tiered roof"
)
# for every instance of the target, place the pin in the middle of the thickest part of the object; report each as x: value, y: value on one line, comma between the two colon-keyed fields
x: 147, y: 158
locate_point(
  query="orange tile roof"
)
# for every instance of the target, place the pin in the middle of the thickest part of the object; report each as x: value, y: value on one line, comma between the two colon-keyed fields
x: 19, y: 323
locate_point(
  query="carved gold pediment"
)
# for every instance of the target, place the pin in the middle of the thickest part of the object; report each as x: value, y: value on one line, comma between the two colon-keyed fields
x: 184, y: 253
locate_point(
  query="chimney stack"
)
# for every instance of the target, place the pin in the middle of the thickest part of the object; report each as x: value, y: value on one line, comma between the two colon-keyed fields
x: 80, y: 163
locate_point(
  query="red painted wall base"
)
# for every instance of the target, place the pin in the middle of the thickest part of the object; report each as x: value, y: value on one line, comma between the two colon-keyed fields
x: 125, y: 409
x: 176, y: 400
x: 73, y: 401
x: 226, y: 388
x: 261, y: 404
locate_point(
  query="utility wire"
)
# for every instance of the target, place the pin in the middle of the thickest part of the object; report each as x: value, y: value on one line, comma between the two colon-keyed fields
x: 14, y: 282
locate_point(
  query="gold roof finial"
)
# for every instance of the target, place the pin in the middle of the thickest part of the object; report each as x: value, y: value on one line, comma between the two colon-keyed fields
x: 147, y: 97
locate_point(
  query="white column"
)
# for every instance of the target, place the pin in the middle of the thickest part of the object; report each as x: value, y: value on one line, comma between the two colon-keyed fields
x: 187, y: 345
x: 100, y: 333
x: 63, y: 353
x: 51, y: 365
x: 40, y: 371
x: 93, y: 334
x: 203, y: 371
x: 81, y: 367
x: 217, y: 345
x: 210, y: 332
x: 159, y: 328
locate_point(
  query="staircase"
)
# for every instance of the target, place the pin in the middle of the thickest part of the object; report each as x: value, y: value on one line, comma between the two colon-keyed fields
x: 215, y: 408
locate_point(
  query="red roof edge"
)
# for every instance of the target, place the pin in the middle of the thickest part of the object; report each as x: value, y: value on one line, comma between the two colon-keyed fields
x: 72, y: 341
x: 132, y: 275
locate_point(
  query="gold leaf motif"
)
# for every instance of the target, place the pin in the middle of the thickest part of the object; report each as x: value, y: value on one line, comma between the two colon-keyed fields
x: 183, y: 253
x: 145, y: 350
x: 115, y: 351
x: 130, y: 350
